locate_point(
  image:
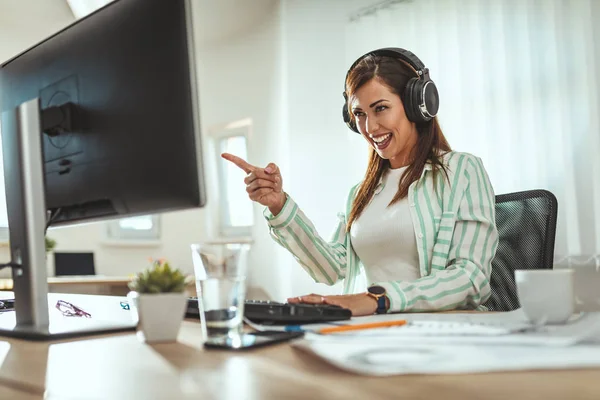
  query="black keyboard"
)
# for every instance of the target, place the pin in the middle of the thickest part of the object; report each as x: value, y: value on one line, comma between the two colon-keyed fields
x: 271, y: 312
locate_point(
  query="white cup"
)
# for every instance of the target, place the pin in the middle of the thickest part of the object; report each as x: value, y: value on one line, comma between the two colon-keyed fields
x: 546, y: 296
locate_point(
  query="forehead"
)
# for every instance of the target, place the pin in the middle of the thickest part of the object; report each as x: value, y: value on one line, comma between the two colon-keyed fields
x: 370, y: 92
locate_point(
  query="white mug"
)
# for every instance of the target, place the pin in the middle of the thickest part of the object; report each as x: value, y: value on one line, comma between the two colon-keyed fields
x: 546, y: 295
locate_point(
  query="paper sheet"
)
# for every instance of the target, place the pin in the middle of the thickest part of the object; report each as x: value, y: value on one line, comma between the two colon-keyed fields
x: 508, y: 330
x: 391, y: 351
x: 389, y: 358
x: 581, y: 328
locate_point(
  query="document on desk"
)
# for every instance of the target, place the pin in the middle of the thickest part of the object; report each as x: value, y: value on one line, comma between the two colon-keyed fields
x: 456, y: 343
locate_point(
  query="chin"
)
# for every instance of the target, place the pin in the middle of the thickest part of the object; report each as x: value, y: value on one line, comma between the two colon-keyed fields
x: 386, y: 155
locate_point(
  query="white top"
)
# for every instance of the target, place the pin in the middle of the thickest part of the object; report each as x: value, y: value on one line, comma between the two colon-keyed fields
x: 383, y: 236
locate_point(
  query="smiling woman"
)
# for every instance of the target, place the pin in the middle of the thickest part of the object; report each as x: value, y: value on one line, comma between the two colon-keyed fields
x: 422, y: 221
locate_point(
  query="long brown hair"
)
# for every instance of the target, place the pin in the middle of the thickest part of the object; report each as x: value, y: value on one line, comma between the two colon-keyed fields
x: 431, y: 143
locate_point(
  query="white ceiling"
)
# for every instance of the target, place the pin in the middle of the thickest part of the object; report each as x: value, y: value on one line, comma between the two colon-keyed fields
x: 33, y: 20
x: 216, y: 20
x: 24, y: 23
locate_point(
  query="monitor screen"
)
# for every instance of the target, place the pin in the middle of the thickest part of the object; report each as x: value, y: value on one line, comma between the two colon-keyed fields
x: 68, y: 264
x: 134, y: 145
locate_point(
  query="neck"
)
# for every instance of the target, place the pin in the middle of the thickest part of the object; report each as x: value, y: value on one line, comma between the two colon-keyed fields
x: 401, y: 160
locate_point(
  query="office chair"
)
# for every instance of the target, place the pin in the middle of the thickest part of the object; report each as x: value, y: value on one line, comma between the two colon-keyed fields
x: 74, y: 264
x: 526, y: 223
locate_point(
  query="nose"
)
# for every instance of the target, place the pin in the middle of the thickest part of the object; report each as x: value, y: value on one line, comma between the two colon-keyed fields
x: 372, y: 125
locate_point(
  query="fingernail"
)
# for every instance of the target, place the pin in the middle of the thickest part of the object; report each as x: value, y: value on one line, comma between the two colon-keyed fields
x: 269, y: 169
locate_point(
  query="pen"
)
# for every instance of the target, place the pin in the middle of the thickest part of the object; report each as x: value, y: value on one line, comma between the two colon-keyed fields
x: 371, y: 325
x: 294, y: 328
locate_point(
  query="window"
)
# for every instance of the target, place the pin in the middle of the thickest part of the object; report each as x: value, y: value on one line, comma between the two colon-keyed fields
x: 144, y: 228
x: 235, y: 209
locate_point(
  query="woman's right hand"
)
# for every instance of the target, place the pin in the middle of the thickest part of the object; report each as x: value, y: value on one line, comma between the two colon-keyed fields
x: 264, y: 185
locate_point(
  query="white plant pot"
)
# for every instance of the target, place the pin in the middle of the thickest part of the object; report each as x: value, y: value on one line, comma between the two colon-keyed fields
x: 159, y: 315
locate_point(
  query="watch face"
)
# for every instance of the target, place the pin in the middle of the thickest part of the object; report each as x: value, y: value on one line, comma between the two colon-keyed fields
x: 378, y: 290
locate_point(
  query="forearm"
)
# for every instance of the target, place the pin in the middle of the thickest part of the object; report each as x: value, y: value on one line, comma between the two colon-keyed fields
x: 460, y: 286
x: 324, y: 261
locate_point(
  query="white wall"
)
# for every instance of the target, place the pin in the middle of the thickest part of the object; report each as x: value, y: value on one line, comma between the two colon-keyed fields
x: 288, y: 76
x: 326, y: 158
x: 241, y: 78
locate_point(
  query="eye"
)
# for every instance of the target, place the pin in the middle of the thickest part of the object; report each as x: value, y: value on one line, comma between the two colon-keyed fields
x: 358, y: 113
x: 380, y: 108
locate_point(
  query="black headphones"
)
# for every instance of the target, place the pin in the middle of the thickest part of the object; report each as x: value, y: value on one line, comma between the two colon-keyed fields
x: 421, y: 99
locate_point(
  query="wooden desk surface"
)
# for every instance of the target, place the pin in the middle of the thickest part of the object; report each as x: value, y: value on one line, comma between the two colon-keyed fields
x: 95, y: 280
x: 121, y: 367
x: 91, y: 279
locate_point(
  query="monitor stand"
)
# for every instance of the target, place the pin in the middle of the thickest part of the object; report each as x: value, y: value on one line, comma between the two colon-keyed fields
x: 26, y: 206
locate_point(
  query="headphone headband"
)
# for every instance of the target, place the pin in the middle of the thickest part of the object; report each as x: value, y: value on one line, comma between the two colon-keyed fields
x: 393, y: 52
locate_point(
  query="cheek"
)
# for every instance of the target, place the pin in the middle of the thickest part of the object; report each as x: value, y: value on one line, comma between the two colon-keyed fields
x: 361, y: 127
x: 401, y: 123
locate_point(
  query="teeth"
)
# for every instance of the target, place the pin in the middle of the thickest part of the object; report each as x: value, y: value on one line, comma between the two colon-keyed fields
x: 380, y: 139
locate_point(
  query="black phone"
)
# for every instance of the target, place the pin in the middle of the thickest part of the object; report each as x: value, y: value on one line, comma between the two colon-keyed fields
x: 252, y: 340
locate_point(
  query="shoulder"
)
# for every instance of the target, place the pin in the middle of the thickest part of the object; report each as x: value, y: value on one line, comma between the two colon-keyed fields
x: 463, y: 169
x: 354, y: 191
x: 351, y: 196
x: 463, y: 165
x: 459, y: 161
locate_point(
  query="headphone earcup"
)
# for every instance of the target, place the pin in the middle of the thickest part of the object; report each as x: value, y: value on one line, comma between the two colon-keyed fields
x: 419, y: 92
x: 432, y: 98
x: 411, y: 104
x: 348, y: 119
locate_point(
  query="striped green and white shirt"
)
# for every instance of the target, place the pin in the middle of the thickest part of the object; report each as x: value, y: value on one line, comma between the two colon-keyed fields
x: 454, y: 221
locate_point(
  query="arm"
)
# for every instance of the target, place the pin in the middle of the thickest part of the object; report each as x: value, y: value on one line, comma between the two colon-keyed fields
x: 325, y: 261
x: 464, y: 283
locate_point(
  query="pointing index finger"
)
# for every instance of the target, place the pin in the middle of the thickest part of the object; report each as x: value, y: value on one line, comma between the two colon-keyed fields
x: 239, y: 162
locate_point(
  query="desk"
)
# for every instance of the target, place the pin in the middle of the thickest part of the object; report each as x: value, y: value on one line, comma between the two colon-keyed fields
x: 118, y: 366
x: 109, y: 286
x: 93, y: 284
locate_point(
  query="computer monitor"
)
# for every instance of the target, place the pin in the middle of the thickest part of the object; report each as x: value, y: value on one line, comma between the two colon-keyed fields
x: 74, y: 264
x: 99, y: 121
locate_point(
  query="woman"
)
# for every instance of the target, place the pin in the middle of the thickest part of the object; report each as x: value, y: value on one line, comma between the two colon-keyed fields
x: 421, y: 224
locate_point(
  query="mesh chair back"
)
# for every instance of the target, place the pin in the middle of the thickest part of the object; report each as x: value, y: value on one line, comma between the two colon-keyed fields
x: 526, y: 223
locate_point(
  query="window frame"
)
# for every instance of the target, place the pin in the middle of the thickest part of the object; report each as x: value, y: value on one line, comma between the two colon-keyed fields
x: 114, y: 231
x: 218, y: 133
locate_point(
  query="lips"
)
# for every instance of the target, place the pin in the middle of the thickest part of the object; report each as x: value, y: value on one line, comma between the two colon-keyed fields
x: 382, y: 144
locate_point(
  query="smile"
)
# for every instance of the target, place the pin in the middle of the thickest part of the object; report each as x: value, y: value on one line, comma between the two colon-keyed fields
x: 381, y: 142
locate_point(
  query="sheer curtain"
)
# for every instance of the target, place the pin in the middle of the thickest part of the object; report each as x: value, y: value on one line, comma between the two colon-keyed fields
x: 519, y: 85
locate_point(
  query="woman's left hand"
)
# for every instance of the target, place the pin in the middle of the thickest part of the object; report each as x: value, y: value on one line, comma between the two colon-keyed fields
x: 359, y: 304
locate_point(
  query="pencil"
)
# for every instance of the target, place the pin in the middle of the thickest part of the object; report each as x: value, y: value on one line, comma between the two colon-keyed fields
x: 345, y: 328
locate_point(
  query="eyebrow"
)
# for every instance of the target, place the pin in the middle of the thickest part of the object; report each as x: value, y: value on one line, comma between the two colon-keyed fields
x: 371, y: 105
x: 375, y: 103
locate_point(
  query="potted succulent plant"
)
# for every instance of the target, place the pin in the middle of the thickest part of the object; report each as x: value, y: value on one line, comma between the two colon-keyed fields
x: 50, y: 244
x: 158, y: 301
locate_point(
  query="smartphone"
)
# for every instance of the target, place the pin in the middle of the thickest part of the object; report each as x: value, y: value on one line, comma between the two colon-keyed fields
x: 252, y: 340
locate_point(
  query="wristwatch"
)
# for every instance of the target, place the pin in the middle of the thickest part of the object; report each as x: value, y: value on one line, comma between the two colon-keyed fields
x: 378, y: 293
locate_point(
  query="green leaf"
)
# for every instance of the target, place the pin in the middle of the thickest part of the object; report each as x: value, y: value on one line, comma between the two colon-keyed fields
x: 159, y: 278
